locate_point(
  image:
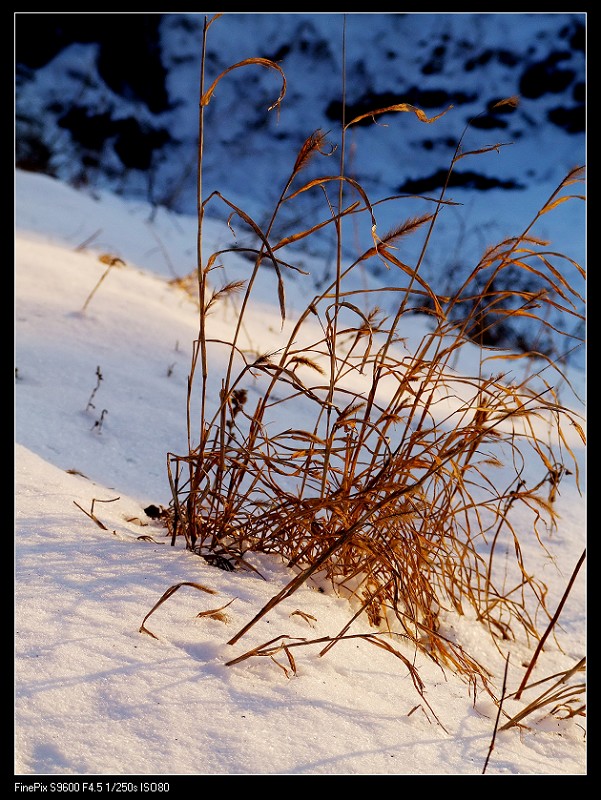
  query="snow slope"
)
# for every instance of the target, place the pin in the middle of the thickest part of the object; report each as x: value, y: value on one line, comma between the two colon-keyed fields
x: 96, y: 697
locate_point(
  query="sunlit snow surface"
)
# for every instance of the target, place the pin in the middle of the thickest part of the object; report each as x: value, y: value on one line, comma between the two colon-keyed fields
x: 93, y: 695
x: 100, y: 398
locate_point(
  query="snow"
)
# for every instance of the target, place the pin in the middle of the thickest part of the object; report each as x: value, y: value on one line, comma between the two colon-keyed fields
x: 95, y: 696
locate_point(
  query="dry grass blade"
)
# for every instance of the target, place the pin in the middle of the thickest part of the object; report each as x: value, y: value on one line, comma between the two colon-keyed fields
x: 309, y: 618
x: 217, y: 613
x: 399, y: 107
x: 76, y: 472
x: 112, y: 261
x: 261, y: 62
x: 551, y: 624
x: 165, y: 596
x: 92, y: 517
x: 342, y: 180
x: 297, y: 236
x: 560, y: 200
x: 512, y: 102
x: 91, y: 514
x: 274, y: 261
x: 268, y: 649
x: 487, y: 149
x: 295, y: 583
x: 560, y: 693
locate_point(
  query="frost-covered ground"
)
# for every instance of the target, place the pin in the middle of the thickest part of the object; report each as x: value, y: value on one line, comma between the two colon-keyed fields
x: 93, y: 695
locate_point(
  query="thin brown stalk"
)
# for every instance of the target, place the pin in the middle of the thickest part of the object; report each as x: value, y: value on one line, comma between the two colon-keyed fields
x: 166, y: 595
x: 499, y: 709
x: 551, y: 625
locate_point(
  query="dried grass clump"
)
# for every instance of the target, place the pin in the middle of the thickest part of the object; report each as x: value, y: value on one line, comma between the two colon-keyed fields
x: 397, y: 478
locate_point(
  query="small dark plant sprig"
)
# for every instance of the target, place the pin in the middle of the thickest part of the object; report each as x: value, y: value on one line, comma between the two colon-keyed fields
x: 97, y: 426
x: 99, y: 379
